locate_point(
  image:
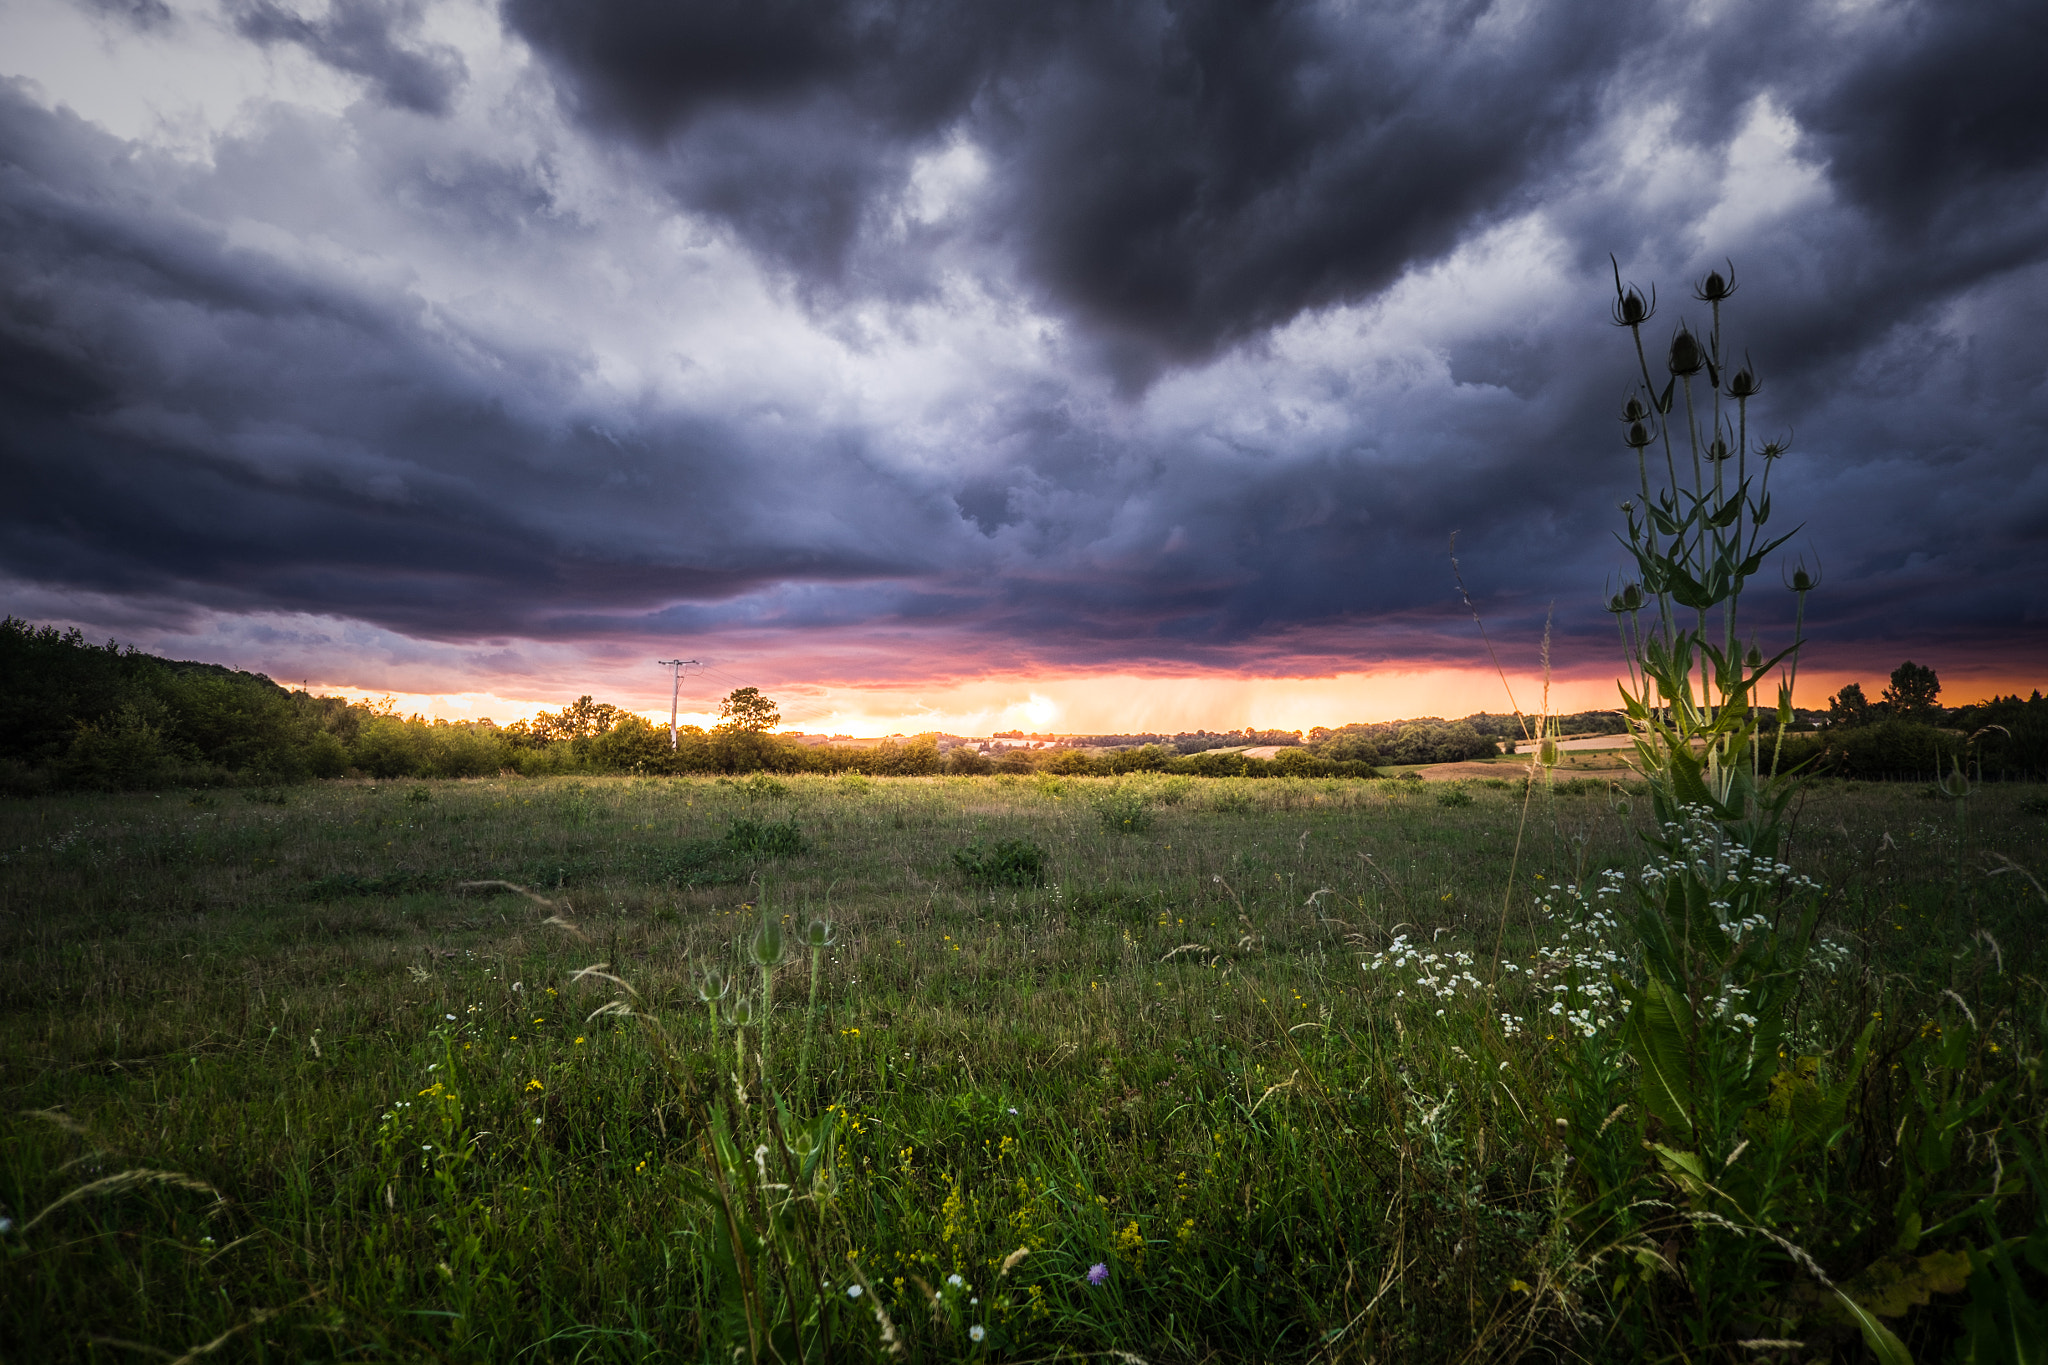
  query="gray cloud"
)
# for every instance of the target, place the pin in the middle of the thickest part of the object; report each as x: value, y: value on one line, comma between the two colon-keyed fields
x: 361, y: 37
x: 1250, y: 307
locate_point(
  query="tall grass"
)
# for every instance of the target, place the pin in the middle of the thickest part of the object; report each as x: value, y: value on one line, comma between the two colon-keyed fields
x: 425, y: 1132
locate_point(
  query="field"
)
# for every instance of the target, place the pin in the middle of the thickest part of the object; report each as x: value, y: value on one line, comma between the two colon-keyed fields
x: 279, y: 1085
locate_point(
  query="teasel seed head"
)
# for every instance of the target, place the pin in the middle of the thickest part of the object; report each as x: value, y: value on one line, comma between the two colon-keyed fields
x: 1631, y: 309
x: 1800, y: 581
x: 1745, y: 383
x: 1638, y: 436
x: 1773, y: 449
x: 712, y: 985
x: 767, y: 948
x: 1633, y: 410
x: 1686, y: 357
x: 1715, y: 286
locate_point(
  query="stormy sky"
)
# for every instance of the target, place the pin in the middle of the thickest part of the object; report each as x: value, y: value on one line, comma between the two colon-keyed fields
x: 926, y: 344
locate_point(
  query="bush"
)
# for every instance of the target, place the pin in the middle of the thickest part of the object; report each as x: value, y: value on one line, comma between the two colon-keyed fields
x: 751, y: 838
x: 124, y: 753
x: 965, y: 762
x: 1124, y: 810
x: 1072, y: 763
x: 1007, y: 862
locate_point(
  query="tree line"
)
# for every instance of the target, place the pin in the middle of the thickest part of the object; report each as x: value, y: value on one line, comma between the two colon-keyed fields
x: 1907, y: 733
x: 76, y: 715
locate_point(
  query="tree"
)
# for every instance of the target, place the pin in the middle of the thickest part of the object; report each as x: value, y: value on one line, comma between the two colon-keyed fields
x: 1848, y: 708
x: 580, y: 719
x: 1912, y: 693
x: 746, y: 711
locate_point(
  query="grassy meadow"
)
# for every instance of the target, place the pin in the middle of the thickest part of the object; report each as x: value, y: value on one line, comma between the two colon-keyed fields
x: 279, y: 1087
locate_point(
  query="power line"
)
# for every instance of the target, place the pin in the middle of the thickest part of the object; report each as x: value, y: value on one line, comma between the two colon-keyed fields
x: 813, y: 711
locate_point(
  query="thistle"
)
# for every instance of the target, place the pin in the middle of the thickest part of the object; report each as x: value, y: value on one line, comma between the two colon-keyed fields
x: 740, y: 1014
x: 767, y: 952
x: 713, y: 986
x: 817, y: 937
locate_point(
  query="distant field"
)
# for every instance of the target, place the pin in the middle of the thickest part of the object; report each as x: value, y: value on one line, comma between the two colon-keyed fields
x: 1164, y: 1061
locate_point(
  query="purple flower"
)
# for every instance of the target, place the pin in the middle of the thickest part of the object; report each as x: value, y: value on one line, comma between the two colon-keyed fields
x: 1097, y: 1273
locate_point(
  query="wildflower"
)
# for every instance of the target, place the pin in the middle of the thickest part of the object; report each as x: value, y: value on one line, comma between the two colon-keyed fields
x: 956, y: 1281
x: 579, y: 1040
x: 853, y: 1291
x: 535, y: 1085
x: 976, y: 1332
x: 1098, y: 1273
x: 449, y: 1017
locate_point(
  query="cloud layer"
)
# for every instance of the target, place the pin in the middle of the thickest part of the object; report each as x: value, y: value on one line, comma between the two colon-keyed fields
x: 897, y: 340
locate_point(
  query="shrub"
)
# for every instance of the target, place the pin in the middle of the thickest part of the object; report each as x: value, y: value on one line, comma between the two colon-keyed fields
x: 751, y: 838
x: 965, y: 762
x: 1073, y: 763
x: 1124, y: 810
x: 1006, y: 862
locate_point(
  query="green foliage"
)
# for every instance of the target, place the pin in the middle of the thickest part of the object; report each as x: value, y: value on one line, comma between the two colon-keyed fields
x: 1004, y: 862
x: 745, y: 710
x: 1211, y: 1099
x: 1913, y: 693
x: 749, y: 837
x: 1124, y: 810
x: 1849, y: 708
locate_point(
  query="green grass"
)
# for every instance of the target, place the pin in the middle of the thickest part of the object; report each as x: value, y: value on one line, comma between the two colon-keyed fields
x: 1165, y: 1059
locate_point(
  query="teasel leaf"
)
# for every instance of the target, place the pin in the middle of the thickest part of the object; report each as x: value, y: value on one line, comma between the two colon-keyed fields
x: 1879, y: 1338
x: 1655, y: 1035
x: 1664, y: 398
x: 1688, y: 591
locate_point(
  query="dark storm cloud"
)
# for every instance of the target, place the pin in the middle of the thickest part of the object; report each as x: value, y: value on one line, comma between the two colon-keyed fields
x: 1180, y: 176
x: 181, y: 415
x: 1169, y: 185
x: 1942, y: 116
x: 362, y: 38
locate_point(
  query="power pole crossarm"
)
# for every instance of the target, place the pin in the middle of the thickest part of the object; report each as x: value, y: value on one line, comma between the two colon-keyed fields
x: 675, y: 692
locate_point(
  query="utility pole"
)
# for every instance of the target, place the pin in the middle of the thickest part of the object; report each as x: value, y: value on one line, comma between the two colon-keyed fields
x: 675, y: 667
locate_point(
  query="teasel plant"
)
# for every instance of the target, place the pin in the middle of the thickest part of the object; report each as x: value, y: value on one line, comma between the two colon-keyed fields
x: 1697, y: 537
x: 817, y: 937
x: 1721, y: 926
x: 768, y: 950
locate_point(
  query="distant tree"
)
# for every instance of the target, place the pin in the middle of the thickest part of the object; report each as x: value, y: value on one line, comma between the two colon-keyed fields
x: 1849, y: 708
x: 746, y: 711
x: 1912, y: 693
x: 580, y: 719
